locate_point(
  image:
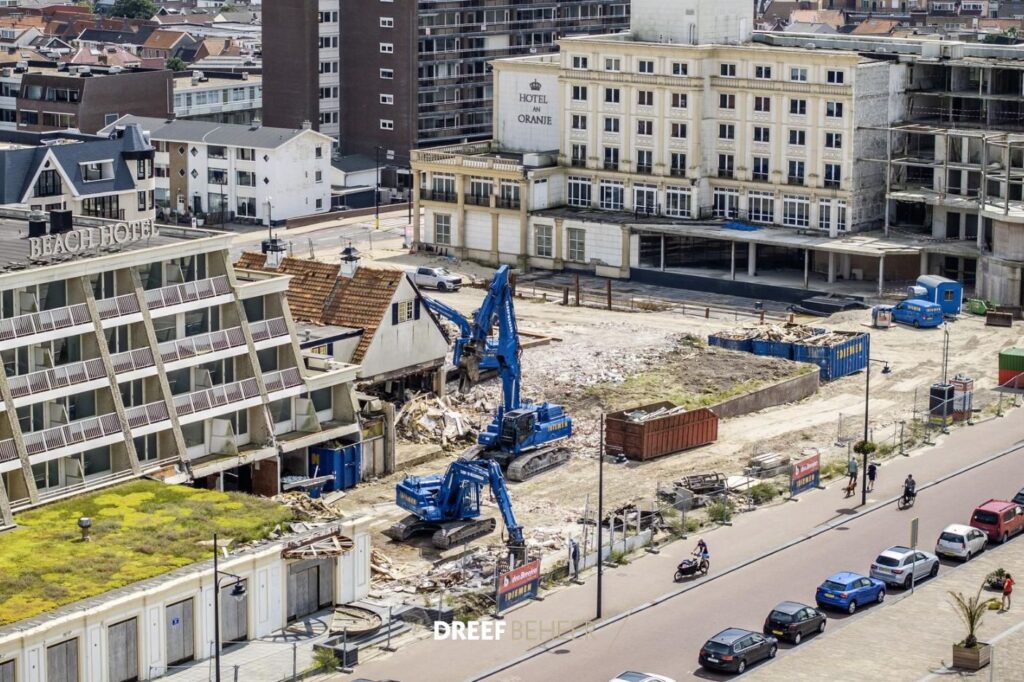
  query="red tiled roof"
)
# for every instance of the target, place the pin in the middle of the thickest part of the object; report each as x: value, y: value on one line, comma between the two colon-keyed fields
x: 251, y: 261
x: 310, y: 288
x: 362, y: 301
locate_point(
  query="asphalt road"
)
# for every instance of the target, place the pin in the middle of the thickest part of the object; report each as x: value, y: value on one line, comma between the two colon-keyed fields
x: 666, y: 638
x: 327, y: 242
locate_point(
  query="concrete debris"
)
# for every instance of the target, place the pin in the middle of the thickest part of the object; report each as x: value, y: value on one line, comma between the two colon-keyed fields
x: 788, y: 333
x: 429, y: 419
x: 641, y: 416
x: 309, y: 508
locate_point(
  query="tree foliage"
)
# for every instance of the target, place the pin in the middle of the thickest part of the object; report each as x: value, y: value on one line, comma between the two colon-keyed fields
x: 134, y: 9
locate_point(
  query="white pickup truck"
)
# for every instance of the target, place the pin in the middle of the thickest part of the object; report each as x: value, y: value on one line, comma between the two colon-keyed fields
x: 437, y: 278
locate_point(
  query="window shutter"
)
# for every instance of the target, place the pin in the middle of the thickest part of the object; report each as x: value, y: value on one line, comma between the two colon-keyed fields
x: 394, y: 313
x: 416, y: 309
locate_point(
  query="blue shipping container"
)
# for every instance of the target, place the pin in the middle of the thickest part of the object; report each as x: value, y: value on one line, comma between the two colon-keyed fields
x: 745, y: 345
x: 773, y: 349
x: 845, y: 357
x: 345, y: 463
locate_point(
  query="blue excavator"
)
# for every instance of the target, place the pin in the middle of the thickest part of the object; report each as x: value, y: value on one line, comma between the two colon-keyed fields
x: 487, y: 361
x: 448, y: 505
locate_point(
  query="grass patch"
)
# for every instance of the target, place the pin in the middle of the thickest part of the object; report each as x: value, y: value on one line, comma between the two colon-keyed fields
x: 140, y: 530
x: 763, y: 492
x: 720, y: 511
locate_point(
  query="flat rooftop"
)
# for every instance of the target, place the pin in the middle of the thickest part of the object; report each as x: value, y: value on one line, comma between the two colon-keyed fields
x: 184, y: 83
x: 139, y: 530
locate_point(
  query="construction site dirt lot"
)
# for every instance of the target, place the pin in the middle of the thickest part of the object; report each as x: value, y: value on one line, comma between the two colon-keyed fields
x: 607, y: 360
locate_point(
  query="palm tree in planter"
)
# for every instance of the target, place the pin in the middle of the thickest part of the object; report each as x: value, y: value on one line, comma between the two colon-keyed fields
x: 970, y: 654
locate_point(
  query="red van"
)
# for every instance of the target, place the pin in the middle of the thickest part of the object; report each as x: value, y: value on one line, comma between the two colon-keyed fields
x: 999, y: 519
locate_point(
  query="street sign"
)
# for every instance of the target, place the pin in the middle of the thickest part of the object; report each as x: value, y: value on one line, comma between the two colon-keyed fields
x: 913, y: 533
x: 806, y: 474
x: 518, y: 585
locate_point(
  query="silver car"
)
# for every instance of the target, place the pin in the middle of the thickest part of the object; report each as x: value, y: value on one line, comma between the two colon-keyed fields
x: 960, y: 542
x: 901, y: 565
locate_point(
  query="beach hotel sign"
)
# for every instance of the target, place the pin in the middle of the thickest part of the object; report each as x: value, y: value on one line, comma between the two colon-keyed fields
x: 91, y: 238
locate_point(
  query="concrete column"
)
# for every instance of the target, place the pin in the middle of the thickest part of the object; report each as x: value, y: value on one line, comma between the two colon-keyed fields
x: 888, y: 176
x: 6, y: 517
x: 460, y: 214
x: 751, y: 259
x: 663, y: 253
x: 416, y: 220
x: 624, y: 267
x: 558, y: 230
x: 807, y: 268
x: 732, y: 260
x: 924, y: 262
x: 389, y: 436
x: 495, y: 227
x: 831, y: 267
x: 524, y: 224
x: 881, y: 273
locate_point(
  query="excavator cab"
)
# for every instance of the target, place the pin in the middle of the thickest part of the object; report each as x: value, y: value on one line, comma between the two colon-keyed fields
x: 517, y: 427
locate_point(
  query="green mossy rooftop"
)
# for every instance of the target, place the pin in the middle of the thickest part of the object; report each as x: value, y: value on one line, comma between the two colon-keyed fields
x: 139, y: 530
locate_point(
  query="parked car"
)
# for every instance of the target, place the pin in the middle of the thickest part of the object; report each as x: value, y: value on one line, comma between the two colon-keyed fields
x: 793, y: 621
x: 847, y: 591
x: 734, y: 649
x: 902, y: 565
x: 437, y: 278
x: 1019, y: 497
x: 999, y: 519
x: 918, y: 312
x: 960, y: 541
x: 631, y: 676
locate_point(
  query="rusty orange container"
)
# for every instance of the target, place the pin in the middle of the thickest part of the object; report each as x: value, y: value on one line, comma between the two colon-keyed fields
x: 659, y: 436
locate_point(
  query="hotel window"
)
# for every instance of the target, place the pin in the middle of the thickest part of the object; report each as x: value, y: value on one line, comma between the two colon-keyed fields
x: 579, y: 93
x: 680, y: 69
x: 645, y: 98
x: 611, y: 158
x: 840, y: 215
x: 725, y: 165
x: 644, y: 127
x: 645, y: 199
x: 762, y: 134
x: 387, y: 124
x: 833, y: 175
x: 678, y: 164
x: 679, y: 130
x: 677, y: 202
x: 796, y: 211
x: 387, y: 22
x: 542, y: 241
x: 761, y: 169
x: 678, y: 100
x: 387, y: 74
x: 576, y: 238
x: 579, y: 155
x: 727, y: 70
x: 644, y: 161
x: 612, y: 64
x: 824, y: 214
x: 442, y: 229
x: 645, y: 66
x: 612, y: 195
x: 763, y: 72
x: 763, y: 104
x: 726, y: 131
x: 798, y: 74
x: 834, y: 109
x: 797, y: 137
x: 579, y: 122
x: 726, y: 203
x: 612, y: 95
x: 580, y: 62
x: 142, y: 200
x: 387, y: 48
x: 796, y: 173
x: 48, y: 184
x: 798, y: 107
x: 833, y: 140
x: 761, y: 207
x: 579, y: 191
x: 835, y: 77
x: 387, y: 99
x: 726, y: 101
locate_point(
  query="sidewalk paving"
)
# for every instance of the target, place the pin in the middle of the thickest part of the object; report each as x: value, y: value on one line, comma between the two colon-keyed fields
x: 910, y: 637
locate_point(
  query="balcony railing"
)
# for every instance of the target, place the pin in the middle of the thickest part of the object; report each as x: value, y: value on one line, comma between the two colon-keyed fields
x: 438, y: 195
x: 279, y: 381
x: 508, y: 202
x: 142, y: 415
x: 268, y: 329
x: 191, y: 346
x: 58, y: 377
x: 191, y: 403
x: 478, y: 199
x: 117, y: 306
x: 46, y: 321
x: 72, y: 433
x: 8, y: 450
x: 132, y: 360
x: 187, y: 292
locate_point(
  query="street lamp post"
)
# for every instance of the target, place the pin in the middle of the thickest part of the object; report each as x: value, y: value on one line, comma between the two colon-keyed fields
x: 886, y: 369
x: 389, y: 155
x: 600, y: 514
x: 237, y: 591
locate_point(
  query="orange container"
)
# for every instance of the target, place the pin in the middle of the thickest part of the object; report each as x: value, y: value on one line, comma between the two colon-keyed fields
x: 660, y: 436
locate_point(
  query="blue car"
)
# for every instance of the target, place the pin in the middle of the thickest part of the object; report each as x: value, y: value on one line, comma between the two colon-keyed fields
x: 847, y: 591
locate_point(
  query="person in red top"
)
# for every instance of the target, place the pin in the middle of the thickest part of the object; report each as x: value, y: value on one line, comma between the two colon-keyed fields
x: 1007, y: 591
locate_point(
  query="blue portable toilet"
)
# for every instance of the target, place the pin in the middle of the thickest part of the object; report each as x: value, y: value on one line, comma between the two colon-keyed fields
x: 947, y: 293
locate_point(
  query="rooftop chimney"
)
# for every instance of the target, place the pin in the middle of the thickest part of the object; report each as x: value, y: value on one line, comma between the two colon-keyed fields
x: 306, y: 125
x: 256, y: 124
x: 349, y: 261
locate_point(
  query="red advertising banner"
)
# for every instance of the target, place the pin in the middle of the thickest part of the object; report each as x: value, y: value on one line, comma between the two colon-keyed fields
x: 518, y: 585
x: 805, y: 474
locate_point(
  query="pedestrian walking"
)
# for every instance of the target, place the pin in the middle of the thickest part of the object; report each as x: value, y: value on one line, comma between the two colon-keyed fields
x: 872, y: 472
x: 1007, y: 591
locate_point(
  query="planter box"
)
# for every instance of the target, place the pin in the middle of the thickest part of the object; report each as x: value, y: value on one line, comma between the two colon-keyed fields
x: 971, y: 659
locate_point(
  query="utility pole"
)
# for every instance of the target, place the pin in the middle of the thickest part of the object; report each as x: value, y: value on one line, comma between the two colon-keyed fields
x: 867, y: 399
x: 600, y: 515
x: 216, y: 614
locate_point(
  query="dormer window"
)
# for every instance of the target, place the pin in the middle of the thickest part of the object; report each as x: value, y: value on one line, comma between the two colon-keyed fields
x: 93, y: 171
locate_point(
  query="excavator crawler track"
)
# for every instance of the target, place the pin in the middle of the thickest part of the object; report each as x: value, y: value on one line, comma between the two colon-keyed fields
x: 407, y: 527
x: 460, y: 532
x: 530, y: 464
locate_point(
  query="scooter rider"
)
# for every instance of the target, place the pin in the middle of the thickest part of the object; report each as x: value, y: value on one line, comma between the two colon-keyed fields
x: 909, y: 488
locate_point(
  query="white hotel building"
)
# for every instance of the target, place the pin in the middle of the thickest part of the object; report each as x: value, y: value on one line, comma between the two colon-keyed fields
x: 632, y: 155
x: 138, y: 351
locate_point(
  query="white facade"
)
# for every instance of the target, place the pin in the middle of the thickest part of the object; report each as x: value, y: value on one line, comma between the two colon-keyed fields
x: 527, y: 108
x: 329, y: 56
x: 691, y: 22
x: 195, y: 97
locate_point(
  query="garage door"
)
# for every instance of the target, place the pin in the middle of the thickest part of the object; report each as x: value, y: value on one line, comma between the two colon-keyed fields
x: 7, y: 671
x: 234, y: 615
x: 123, y: 648
x: 180, y: 635
x: 303, y: 592
x: 62, y: 662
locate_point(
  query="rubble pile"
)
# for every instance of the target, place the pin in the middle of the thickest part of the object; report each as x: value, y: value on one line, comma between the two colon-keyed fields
x: 787, y: 333
x: 640, y: 416
x: 829, y: 339
x: 308, y: 508
x: 448, y: 420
